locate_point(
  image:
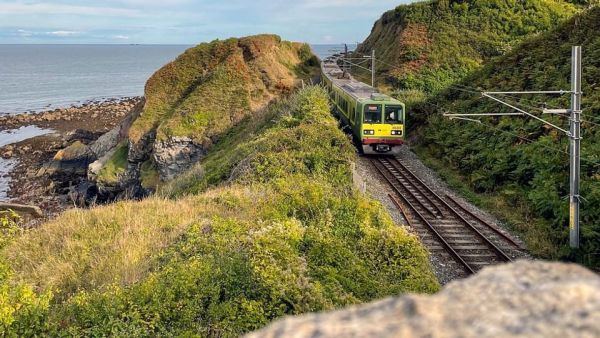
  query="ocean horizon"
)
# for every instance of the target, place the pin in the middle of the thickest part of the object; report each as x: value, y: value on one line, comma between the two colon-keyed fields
x: 38, y: 77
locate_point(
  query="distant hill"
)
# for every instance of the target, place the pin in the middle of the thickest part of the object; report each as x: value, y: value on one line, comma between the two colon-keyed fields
x: 427, y: 45
x: 519, y: 165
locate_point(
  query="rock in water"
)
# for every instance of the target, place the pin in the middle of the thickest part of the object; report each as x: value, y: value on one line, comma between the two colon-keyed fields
x: 70, y: 162
x: 523, y: 299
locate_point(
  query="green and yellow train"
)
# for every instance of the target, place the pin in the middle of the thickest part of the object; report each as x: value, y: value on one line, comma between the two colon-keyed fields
x: 377, y: 121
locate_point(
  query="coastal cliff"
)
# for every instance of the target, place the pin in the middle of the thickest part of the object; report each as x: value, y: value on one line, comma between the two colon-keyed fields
x: 192, y: 102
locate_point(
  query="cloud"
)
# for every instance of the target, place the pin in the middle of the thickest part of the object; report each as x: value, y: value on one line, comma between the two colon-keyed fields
x: 63, y: 33
x: 55, y: 8
x: 187, y: 21
x: 24, y: 33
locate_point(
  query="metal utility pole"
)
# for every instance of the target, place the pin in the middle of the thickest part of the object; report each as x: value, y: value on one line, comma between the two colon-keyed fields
x: 345, y: 64
x: 349, y: 62
x: 575, y: 163
x: 373, y: 68
x: 574, y: 134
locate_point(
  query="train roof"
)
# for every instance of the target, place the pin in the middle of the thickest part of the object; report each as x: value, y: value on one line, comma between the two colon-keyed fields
x: 359, y: 90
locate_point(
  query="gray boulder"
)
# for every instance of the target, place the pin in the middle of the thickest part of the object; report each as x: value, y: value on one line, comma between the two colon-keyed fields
x: 175, y: 155
x: 523, y: 299
x: 106, y: 142
x: 22, y: 209
x: 70, y: 162
x: 85, y: 136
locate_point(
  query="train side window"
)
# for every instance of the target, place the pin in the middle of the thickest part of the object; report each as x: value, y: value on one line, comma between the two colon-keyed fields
x: 393, y: 114
x: 352, y: 114
x: 373, y: 113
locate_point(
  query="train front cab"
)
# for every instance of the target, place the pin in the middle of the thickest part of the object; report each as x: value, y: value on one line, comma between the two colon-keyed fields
x: 382, y: 126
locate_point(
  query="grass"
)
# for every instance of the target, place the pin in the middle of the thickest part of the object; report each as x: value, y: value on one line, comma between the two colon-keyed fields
x: 214, y: 85
x: 270, y: 226
x: 520, y: 166
x: 91, y: 249
x: 116, y: 165
x: 428, y: 45
x: 149, y: 176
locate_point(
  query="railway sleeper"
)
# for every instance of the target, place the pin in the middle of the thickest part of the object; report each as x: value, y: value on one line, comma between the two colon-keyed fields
x: 472, y: 247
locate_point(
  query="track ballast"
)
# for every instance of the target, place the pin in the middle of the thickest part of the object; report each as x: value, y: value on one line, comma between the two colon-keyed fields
x: 442, y: 223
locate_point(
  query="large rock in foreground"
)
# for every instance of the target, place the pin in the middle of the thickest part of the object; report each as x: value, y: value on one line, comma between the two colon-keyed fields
x: 524, y: 299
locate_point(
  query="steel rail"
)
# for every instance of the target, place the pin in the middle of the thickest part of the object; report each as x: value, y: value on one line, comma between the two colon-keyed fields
x: 484, y: 222
x: 424, y: 220
x: 429, y: 199
x: 416, y: 199
x: 495, y: 248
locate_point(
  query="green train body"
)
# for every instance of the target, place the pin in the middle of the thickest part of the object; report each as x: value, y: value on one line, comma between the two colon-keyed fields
x: 377, y: 121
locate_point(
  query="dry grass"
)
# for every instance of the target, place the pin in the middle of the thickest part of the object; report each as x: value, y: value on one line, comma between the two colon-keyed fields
x: 91, y: 249
x: 88, y: 249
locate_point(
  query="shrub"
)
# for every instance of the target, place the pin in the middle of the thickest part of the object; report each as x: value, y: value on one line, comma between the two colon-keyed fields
x: 519, y: 161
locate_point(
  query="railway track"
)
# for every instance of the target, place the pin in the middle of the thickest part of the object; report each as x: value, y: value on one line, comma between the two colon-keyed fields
x: 442, y: 223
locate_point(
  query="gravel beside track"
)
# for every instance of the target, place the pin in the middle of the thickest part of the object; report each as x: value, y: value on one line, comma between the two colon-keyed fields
x: 445, y: 266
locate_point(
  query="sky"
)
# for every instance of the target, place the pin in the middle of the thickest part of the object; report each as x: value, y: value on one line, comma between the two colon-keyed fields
x: 187, y: 21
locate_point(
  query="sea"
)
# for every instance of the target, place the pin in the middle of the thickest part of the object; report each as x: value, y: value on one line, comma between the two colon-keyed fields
x: 42, y: 77
x: 36, y: 78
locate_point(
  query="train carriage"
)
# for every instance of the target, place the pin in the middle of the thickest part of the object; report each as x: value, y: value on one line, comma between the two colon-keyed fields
x: 377, y: 121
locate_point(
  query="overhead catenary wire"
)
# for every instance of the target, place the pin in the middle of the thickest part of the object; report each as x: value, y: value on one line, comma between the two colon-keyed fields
x: 465, y: 117
x: 534, y: 142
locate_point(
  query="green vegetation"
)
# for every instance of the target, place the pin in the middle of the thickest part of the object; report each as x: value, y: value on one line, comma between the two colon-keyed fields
x: 149, y: 176
x: 428, y: 45
x: 22, y: 310
x: 116, y: 165
x: 517, y: 165
x: 437, y: 55
x: 212, y: 86
x: 267, y: 225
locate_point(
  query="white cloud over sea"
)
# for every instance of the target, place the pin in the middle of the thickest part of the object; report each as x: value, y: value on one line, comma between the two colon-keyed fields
x: 186, y: 21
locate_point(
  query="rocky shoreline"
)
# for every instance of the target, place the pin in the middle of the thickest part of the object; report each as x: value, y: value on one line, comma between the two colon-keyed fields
x: 30, y: 180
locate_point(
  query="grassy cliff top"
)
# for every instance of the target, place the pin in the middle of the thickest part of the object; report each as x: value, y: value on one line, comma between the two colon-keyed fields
x: 428, y: 45
x: 214, y: 85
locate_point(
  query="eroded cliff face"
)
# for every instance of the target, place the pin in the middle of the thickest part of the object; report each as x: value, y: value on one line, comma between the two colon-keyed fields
x: 523, y: 299
x: 193, y: 101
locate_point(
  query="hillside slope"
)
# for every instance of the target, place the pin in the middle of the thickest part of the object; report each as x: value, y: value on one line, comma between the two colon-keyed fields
x: 193, y: 101
x: 518, y: 165
x: 428, y: 45
x: 268, y: 224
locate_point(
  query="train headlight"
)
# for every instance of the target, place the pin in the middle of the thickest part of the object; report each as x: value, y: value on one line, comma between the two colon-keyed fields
x: 369, y: 132
x: 397, y: 132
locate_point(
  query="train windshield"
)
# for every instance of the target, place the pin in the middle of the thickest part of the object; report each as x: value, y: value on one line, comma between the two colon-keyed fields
x: 373, y: 113
x: 393, y: 114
